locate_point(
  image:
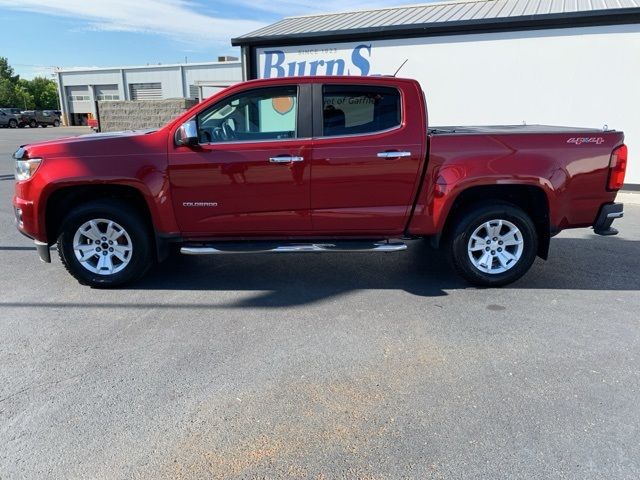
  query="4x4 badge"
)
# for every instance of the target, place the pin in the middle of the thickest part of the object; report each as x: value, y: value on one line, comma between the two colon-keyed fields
x: 581, y: 140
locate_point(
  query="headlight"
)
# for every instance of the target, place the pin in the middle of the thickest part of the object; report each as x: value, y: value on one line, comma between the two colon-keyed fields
x: 26, y: 168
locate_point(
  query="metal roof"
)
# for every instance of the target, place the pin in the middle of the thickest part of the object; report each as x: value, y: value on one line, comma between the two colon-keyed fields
x: 148, y: 66
x: 434, y: 18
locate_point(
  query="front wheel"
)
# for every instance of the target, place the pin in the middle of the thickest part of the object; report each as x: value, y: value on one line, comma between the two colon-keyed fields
x: 56, y: 123
x: 103, y: 244
x: 493, y: 245
x: 33, y: 124
x: 13, y: 123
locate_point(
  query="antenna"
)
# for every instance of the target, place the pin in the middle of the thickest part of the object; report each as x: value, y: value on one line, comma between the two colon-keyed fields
x: 400, y: 67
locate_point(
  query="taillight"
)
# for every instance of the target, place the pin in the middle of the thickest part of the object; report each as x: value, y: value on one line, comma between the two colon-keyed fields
x: 617, y: 168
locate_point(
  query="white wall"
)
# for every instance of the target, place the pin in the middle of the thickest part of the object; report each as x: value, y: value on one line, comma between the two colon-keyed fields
x: 102, y: 77
x: 222, y: 74
x: 173, y: 79
x: 579, y: 76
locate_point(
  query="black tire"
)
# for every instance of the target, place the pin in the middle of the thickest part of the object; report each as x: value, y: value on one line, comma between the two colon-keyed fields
x: 458, y: 243
x: 56, y: 123
x: 142, y: 256
x: 33, y: 124
x: 13, y: 123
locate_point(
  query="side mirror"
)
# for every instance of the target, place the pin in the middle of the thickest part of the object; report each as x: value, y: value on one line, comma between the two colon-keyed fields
x: 187, y: 134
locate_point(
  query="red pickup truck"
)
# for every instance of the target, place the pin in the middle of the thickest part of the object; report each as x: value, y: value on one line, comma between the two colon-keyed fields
x: 315, y: 164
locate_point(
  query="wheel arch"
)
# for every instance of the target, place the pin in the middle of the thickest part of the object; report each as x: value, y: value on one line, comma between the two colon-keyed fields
x: 531, y: 198
x: 64, y: 199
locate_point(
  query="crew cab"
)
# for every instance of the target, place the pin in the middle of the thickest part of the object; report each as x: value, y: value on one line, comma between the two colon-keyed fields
x: 315, y: 164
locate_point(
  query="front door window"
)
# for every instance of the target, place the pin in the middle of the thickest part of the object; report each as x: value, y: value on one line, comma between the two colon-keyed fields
x: 257, y: 115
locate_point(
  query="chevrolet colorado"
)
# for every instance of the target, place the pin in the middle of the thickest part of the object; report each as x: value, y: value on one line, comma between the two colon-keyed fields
x: 315, y: 164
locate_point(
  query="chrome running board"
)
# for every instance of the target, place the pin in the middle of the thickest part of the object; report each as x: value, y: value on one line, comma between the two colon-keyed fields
x: 271, y: 247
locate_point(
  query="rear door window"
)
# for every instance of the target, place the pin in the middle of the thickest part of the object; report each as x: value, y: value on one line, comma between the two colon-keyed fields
x: 359, y: 109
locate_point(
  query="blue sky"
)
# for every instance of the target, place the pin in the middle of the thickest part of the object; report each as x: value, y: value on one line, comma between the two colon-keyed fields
x: 43, y: 34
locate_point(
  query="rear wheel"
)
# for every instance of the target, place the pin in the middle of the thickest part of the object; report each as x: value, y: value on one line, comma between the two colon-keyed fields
x: 13, y: 123
x: 493, y: 244
x: 102, y: 244
x: 33, y: 124
x: 56, y: 123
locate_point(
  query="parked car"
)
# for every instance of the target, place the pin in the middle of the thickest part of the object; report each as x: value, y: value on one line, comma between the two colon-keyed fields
x: 13, y: 111
x: 7, y: 119
x: 56, y: 114
x: 315, y: 164
x: 44, y: 118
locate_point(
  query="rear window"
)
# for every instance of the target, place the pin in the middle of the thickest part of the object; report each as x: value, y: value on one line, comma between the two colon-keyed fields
x: 359, y: 109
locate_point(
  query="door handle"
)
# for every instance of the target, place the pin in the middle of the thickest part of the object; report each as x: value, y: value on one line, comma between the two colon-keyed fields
x: 285, y: 159
x: 394, y: 154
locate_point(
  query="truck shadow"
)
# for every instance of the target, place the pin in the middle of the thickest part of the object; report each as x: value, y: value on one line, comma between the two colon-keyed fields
x: 593, y: 263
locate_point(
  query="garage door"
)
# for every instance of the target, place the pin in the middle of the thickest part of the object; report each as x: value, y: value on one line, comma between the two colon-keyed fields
x: 146, y: 91
x: 78, y: 94
x: 107, y: 92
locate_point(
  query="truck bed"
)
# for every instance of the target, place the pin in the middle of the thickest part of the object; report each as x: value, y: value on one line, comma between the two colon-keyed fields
x: 506, y: 129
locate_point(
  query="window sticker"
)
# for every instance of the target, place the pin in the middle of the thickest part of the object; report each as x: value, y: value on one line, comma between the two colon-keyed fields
x: 282, y: 105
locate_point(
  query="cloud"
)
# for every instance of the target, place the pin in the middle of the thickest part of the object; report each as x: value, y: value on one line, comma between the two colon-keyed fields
x: 308, y: 7
x: 174, y: 18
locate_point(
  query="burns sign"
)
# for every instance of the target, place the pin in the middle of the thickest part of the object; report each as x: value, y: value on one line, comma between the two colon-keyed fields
x: 302, y: 61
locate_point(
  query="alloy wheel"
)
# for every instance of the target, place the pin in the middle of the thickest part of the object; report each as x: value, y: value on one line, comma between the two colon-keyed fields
x: 495, y: 246
x: 102, y: 246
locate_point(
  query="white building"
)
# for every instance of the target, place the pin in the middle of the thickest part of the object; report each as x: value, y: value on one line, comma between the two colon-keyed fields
x: 80, y: 89
x: 560, y: 62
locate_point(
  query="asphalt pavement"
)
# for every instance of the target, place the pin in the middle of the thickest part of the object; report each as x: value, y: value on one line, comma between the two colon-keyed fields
x: 320, y: 366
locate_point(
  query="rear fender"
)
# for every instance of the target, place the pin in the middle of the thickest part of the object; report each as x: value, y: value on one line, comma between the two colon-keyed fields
x: 451, y: 201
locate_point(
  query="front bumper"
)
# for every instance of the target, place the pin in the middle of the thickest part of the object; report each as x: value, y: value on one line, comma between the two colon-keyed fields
x: 27, y: 224
x: 608, y: 213
x: 41, y: 247
x: 26, y: 217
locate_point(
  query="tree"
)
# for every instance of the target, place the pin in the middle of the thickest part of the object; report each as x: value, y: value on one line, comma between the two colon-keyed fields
x: 25, y: 100
x: 7, y: 93
x: 6, y: 72
x: 40, y: 93
x: 8, y: 83
x: 43, y: 91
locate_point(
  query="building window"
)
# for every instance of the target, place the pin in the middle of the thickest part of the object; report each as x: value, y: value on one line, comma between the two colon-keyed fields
x: 103, y: 97
x: 106, y: 92
x: 358, y: 109
x: 146, y: 91
x: 79, y: 98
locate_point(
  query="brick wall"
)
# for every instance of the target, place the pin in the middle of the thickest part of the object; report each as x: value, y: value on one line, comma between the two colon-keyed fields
x: 136, y: 114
